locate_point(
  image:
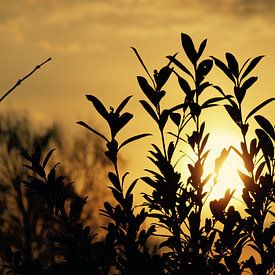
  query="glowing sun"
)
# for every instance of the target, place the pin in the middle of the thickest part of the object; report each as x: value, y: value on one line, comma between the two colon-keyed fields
x: 227, y: 177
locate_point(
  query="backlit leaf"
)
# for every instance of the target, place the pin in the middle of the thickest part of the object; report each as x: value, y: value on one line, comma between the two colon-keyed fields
x: 131, y: 139
x: 189, y: 48
x: 224, y: 68
x: 260, y: 106
x: 266, y: 125
x: 251, y: 66
x: 149, y: 109
x: 232, y: 64
x: 98, y: 106
x: 123, y: 104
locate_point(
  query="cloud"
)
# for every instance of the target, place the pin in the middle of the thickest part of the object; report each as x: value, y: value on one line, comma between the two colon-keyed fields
x: 69, y: 48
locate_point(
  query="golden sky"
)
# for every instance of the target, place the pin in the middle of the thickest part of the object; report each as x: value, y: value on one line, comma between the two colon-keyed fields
x: 89, y: 41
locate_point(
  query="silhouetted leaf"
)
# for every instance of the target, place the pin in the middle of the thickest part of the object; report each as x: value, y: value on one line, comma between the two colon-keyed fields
x: 247, y: 180
x: 163, y: 119
x: 163, y: 76
x: 184, y: 85
x: 25, y: 154
x: 259, y: 170
x: 180, y: 65
x: 171, y: 149
x: 123, y: 120
x: 47, y: 158
x: 123, y: 104
x: 91, y: 129
x: 147, y: 89
x: 204, y: 142
x: 260, y: 106
x: 117, y: 195
x: 201, y: 48
x: 149, y: 110
x: 202, y: 87
x: 149, y: 181
x: 212, y: 100
x: 219, y: 89
x: 234, y: 112
x: 266, y: 125
x: 224, y: 68
x: 239, y: 93
x: 232, y: 64
x: 142, y: 63
x: 131, y: 187
x: 131, y: 139
x: 176, y: 118
x: 98, y: 106
x: 249, y: 82
x: 108, y: 208
x: 189, y: 48
x: 265, y: 143
x: 114, y: 179
x: 203, y: 69
x: 251, y: 66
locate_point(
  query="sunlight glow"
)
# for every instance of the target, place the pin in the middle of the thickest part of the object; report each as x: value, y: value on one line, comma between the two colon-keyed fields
x: 228, y: 175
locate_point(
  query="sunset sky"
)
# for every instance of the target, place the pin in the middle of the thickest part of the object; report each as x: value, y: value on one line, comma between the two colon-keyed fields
x: 89, y: 42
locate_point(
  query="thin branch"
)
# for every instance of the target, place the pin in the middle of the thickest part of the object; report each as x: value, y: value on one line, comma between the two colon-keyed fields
x: 19, y: 81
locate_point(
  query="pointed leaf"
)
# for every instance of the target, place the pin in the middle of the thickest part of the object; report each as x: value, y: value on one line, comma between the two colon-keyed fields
x: 123, y: 104
x: 142, y: 63
x: 98, y: 106
x: 201, y: 48
x: 147, y: 89
x: 114, y: 180
x: 163, y: 118
x: 91, y: 129
x: 266, y: 125
x: 171, y: 149
x: 124, y: 119
x: 176, y: 118
x: 203, y: 69
x: 239, y: 93
x: 131, y: 187
x: 47, y: 158
x: 163, y: 76
x: 204, y: 142
x: 265, y: 143
x: 259, y: 170
x: 249, y: 82
x: 232, y: 64
x: 131, y: 139
x: 224, y: 68
x: 251, y: 66
x: 189, y: 48
x: 184, y: 85
x: 180, y: 65
x: 211, y: 101
x: 260, y: 106
x: 149, y: 109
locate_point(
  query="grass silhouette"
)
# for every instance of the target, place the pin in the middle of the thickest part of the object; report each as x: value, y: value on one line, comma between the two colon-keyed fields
x: 190, y: 243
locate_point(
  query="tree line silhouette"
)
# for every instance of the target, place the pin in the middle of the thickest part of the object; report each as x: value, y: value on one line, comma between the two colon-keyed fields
x: 55, y: 238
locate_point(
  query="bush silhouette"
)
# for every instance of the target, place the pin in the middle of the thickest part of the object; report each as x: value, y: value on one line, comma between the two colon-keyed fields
x: 190, y: 242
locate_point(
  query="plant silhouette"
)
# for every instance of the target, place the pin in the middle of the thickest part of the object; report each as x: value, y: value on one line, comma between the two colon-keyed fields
x: 172, y: 211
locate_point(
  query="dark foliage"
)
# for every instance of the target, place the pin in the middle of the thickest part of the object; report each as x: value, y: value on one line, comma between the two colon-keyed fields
x: 172, y: 210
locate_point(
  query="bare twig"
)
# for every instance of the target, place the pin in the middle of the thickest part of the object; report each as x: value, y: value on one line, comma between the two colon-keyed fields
x: 19, y: 81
